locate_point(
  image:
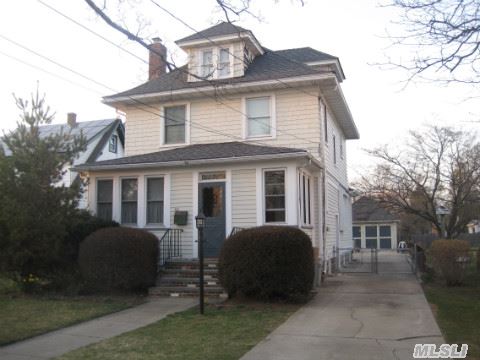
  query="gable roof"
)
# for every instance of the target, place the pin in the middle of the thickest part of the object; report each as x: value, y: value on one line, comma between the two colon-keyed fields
x: 370, y: 210
x: 269, y: 66
x: 226, y: 151
x: 221, y: 29
x: 306, y: 54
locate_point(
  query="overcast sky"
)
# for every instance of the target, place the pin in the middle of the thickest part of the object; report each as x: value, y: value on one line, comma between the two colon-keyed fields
x: 353, y: 30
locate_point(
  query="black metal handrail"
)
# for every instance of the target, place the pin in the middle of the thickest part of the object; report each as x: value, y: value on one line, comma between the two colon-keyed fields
x: 169, y: 246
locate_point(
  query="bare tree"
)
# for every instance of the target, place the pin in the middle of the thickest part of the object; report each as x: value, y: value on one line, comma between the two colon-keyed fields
x: 438, y: 167
x: 444, y: 37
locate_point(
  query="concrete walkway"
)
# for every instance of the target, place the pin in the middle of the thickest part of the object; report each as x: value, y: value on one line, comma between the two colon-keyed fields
x: 357, y: 316
x: 61, y: 341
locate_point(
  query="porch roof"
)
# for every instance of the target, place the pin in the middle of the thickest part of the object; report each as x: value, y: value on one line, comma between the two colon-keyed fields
x: 197, y: 154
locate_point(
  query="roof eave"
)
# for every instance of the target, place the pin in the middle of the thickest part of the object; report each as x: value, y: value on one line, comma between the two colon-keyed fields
x: 93, y: 168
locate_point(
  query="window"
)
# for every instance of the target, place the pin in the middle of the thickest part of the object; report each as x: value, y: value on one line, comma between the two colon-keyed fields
x: 357, y: 236
x: 258, y: 116
x: 155, y: 200
x: 385, y: 232
x: 175, y: 117
x: 129, y: 201
x: 334, y: 149
x: 104, y: 199
x: 325, y: 122
x: 341, y: 148
x: 112, y: 144
x: 207, y: 63
x: 371, y: 236
x: 274, y: 196
x: 305, y: 199
x: 224, y: 63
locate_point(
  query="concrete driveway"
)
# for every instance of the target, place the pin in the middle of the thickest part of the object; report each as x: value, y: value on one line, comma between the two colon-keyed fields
x: 357, y: 316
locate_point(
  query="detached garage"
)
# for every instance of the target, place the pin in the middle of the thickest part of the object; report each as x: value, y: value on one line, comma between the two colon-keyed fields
x: 373, y: 225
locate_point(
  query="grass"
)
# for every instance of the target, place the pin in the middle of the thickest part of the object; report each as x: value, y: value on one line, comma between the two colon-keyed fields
x: 457, y: 310
x: 26, y: 316
x: 222, y: 333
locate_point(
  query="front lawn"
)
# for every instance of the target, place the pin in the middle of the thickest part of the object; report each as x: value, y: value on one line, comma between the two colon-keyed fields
x: 457, y: 310
x: 26, y: 316
x: 223, y: 333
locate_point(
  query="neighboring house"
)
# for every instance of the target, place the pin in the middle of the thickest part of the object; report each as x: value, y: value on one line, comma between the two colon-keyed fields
x: 105, y: 140
x: 373, y: 225
x: 473, y: 227
x: 262, y: 141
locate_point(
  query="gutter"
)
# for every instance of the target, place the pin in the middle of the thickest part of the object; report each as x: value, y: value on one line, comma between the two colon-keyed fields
x: 100, y: 167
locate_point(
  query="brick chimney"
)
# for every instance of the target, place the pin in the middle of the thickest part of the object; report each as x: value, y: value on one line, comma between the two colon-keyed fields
x: 156, y: 64
x: 72, y: 119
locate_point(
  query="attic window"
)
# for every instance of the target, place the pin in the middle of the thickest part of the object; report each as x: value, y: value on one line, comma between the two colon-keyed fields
x: 224, y: 63
x: 113, y: 144
x: 207, y: 63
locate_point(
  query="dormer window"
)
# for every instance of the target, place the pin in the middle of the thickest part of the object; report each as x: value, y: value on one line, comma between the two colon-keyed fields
x: 224, y: 63
x: 207, y: 63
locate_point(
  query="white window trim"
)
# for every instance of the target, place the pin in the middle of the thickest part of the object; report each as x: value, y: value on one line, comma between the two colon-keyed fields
x: 215, y: 61
x: 120, y: 180
x: 264, y: 207
x: 113, y: 136
x: 187, y: 124
x: 273, y: 117
x: 145, y: 201
x: 309, y: 196
x: 97, y: 179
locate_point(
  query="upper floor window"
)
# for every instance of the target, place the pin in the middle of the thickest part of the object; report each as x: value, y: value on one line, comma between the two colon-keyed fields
x: 274, y: 189
x: 224, y: 63
x: 104, y: 199
x: 175, y: 118
x: 325, y: 122
x: 207, y: 63
x: 342, y: 150
x: 334, y: 149
x: 113, y: 143
x: 129, y: 201
x: 258, y: 117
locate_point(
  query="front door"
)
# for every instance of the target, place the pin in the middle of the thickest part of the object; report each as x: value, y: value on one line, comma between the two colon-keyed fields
x: 211, y: 202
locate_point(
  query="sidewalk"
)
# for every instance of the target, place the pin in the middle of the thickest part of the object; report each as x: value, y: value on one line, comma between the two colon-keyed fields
x: 357, y: 316
x: 61, y: 341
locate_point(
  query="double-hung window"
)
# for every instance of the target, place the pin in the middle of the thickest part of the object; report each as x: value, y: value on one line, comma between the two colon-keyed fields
x: 258, y: 117
x: 305, y: 190
x: 113, y: 143
x: 224, y: 62
x: 129, y: 201
x: 155, y: 199
x: 274, y: 188
x: 207, y: 63
x: 175, y: 119
x: 104, y: 199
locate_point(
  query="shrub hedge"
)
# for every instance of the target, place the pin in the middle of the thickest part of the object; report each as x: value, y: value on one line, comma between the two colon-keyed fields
x: 119, y: 258
x: 268, y: 263
x: 451, y: 258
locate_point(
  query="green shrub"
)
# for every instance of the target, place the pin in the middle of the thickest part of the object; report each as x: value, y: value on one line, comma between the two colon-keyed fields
x: 268, y: 263
x: 119, y: 259
x: 451, y: 257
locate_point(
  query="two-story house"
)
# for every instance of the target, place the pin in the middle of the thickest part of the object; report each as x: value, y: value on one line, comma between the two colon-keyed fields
x: 243, y: 134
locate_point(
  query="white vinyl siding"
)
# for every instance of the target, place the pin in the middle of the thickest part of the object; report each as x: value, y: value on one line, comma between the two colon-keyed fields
x: 243, y: 198
x: 181, y: 185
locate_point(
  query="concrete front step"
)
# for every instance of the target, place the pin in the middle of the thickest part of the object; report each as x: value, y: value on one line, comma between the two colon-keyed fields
x: 187, y: 282
x: 190, y: 265
x: 190, y: 273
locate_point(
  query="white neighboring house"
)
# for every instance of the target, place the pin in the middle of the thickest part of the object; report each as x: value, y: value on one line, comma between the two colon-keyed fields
x: 473, y: 227
x: 105, y: 141
x: 262, y: 141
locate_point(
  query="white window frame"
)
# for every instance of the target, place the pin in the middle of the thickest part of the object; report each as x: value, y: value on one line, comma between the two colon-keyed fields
x: 115, y: 150
x: 273, y: 117
x: 304, y: 176
x: 96, y: 194
x: 264, y: 205
x: 202, y: 65
x: 145, y: 207
x: 215, y: 62
x: 230, y: 62
x: 121, y: 200
x: 187, y: 124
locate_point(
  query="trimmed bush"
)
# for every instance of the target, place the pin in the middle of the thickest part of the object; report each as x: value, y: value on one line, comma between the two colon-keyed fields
x: 268, y: 263
x: 119, y: 258
x: 451, y: 257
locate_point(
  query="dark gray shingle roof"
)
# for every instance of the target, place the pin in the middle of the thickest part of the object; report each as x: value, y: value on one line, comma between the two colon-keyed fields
x: 228, y: 150
x: 223, y: 28
x: 305, y: 54
x: 368, y: 209
x: 269, y: 66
